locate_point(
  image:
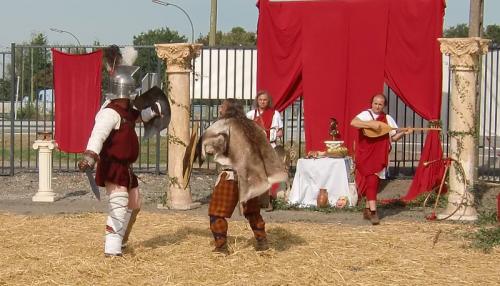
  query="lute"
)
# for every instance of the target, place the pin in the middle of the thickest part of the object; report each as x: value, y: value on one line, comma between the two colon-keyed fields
x: 385, y: 129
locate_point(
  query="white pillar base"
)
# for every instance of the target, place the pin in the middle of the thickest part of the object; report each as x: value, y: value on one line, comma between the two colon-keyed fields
x: 464, y: 213
x: 44, y: 196
x: 45, y: 192
x: 179, y: 207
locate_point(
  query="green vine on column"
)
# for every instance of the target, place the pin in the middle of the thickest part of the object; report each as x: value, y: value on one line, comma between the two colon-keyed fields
x: 173, y: 181
x: 172, y: 101
x: 459, y: 137
x: 175, y: 140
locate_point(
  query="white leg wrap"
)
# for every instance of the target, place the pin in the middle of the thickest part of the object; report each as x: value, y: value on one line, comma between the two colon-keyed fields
x: 115, y: 224
x: 127, y: 219
x: 126, y: 222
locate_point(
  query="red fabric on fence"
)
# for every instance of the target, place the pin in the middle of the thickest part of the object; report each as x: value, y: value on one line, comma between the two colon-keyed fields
x: 337, y: 54
x: 413, y: 70
x: 77, y: 87
x: 279, y: 72
x: 427, y: 177
x: 339, y: 73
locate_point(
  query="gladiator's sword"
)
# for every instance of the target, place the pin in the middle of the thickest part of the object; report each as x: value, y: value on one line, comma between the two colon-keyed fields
x: 93, y: 184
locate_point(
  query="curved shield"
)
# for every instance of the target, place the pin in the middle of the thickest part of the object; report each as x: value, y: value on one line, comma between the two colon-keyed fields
x: 187, y: 161
x: 147, y: 99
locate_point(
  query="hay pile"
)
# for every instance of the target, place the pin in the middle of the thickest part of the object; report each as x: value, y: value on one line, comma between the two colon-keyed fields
x: 176, y: 249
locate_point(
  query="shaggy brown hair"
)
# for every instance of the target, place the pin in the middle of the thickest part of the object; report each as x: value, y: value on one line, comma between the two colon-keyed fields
x: 235, y: 110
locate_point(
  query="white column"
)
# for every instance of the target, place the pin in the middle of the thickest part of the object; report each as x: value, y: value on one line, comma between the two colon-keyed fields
x: 178, y: 59
x: 45, y: 192
x: 463, y: 127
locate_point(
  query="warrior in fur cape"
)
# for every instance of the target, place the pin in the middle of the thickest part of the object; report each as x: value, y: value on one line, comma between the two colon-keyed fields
x: 249, y: 167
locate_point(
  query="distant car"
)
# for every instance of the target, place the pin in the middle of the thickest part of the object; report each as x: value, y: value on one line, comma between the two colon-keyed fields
x: 44, y: 100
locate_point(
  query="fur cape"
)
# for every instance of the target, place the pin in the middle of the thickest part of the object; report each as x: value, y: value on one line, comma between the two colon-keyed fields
x: 257, y: 165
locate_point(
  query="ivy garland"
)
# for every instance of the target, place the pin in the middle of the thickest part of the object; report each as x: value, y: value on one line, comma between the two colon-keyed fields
x: 171, y: 100
x: 175, y: 140
x: 173, y: 181
x: 459, y: 137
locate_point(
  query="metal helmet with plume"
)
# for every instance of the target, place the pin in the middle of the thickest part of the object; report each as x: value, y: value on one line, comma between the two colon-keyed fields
x: 119, y: 63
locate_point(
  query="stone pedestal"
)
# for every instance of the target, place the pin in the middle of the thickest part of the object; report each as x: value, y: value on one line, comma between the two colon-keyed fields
x: 178, y: 59
x: 45, y: 192
x: 464, y: 57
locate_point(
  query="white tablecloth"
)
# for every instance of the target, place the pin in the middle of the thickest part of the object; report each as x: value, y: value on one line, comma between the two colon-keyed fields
x: 325, y: 173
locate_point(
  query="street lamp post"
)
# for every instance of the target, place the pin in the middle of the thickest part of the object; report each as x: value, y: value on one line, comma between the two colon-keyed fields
x: 63, y: 31
x: 183, y: 11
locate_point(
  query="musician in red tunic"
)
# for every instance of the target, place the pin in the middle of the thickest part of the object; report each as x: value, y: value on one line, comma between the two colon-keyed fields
x: 267, y: 117
x: 114, y: 146
x: 372, y: 154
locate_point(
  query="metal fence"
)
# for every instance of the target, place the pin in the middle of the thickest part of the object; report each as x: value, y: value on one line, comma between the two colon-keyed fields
x: 218, y: 73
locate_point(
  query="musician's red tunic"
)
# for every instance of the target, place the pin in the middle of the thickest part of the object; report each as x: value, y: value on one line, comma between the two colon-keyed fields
x: 372, y: 155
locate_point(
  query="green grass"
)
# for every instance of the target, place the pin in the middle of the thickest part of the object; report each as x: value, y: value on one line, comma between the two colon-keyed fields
x: 486, y: 217
x: 486, y: 238
x: 24, y: 152
x: 280, y: 204
x: 418, y: 202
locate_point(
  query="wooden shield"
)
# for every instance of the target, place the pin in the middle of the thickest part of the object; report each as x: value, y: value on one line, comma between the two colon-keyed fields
x: 187, y: 161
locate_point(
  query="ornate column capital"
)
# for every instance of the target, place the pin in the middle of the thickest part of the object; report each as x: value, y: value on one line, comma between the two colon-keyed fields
x: 464, y: 52
x: 178, y: 56
x: 47, y: 144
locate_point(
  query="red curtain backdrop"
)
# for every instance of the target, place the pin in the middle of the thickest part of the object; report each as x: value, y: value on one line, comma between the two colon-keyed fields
x: 413, y: 70
x: 279, y: 62
x: 77, y: 87
x: 337, y: 55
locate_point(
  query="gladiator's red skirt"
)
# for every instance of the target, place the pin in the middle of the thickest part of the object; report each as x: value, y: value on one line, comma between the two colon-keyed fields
x: 117, y: 173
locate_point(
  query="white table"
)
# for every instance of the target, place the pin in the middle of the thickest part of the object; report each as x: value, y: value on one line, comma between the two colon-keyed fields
x: 325, y: 173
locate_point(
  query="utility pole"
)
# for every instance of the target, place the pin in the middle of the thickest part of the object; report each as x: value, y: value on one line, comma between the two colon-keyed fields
x: 476, y: 30
x: 476, y: 18
x: 213, y: 23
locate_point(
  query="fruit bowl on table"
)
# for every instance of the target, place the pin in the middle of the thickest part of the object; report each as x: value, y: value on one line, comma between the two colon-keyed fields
x: 335, y: 149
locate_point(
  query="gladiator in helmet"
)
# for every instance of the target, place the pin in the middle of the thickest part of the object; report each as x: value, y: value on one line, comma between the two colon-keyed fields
x: 113, y: 147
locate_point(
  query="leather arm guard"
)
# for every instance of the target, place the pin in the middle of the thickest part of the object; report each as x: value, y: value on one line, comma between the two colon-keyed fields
x: 88, y: 161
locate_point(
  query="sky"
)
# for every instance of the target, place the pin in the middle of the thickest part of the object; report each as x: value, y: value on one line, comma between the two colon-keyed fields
x: 117, y: 21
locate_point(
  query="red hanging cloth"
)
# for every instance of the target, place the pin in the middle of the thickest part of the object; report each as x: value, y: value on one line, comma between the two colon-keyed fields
x: 337, y: 54
x: 77, y: 87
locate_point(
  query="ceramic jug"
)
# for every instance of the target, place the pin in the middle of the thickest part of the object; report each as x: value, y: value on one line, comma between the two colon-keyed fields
x: 322, y: 200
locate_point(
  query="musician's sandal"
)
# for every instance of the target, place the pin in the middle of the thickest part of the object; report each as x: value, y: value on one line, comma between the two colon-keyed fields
x: 374, y: 219
x: 366, y: 213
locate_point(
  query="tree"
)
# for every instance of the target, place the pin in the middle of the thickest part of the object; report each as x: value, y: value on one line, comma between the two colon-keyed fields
x: 491, y: 32
x: 458, y: 31
x: 236, y: 37
x: 34, y: 66
x: 5, y: 89
x: 147, y: 58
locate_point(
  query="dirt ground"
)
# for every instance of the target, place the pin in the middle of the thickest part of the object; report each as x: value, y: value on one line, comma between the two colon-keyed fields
x: 74, y: 196
x: 60, y: 243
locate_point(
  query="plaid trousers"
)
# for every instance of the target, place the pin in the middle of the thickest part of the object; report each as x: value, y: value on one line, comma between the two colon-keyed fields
x: 225, y: 198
